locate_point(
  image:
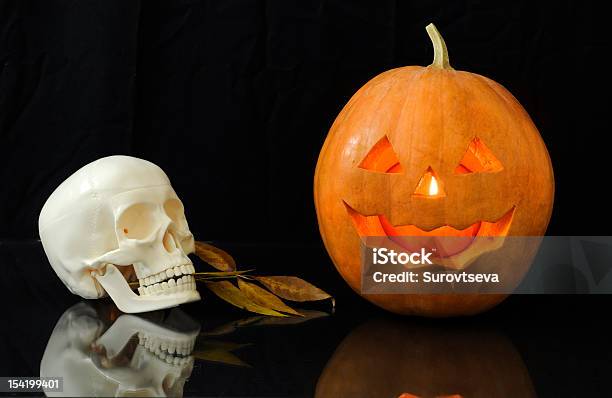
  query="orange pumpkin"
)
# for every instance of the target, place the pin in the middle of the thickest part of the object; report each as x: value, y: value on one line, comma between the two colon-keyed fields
x: 397, y: 360
x: 431, y: 151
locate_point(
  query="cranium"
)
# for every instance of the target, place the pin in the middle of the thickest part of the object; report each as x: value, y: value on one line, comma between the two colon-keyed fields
x: 116, y: 217
x: 99, y: 355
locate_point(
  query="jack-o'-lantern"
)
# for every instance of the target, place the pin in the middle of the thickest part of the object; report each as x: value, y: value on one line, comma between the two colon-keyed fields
x: 385, y: 358
x: 431, y: 151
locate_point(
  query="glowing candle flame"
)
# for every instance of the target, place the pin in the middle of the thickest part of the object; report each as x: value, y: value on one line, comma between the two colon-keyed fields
x: 433, y: 186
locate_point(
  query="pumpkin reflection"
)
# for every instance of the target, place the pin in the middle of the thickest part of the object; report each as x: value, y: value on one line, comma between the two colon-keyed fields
x: 395, y: 359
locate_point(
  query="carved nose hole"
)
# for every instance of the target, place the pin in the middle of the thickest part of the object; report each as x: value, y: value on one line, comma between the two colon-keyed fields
x: 429, y: 186
x: 169, y: 242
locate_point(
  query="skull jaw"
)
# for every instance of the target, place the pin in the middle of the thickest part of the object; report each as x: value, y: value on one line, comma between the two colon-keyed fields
x: 129, y: 302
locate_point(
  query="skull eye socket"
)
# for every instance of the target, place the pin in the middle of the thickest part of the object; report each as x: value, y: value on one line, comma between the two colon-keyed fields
x: 176, y: 212
x: 137, y: 221
x: 382, y: 158
x: 478, y: 159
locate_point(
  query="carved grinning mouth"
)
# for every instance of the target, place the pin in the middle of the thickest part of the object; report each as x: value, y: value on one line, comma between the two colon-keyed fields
x: 459, y: 239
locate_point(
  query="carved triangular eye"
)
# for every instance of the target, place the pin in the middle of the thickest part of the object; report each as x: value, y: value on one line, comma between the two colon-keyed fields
x: 382, y: 158
x: 478, y: 159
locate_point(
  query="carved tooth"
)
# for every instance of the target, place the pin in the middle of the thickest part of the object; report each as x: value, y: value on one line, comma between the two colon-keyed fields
x: 179, y: 281
x: 150, y: 280
x: 157, y: 278
x: 177, y: 271
x: 156, y: 288
x: 184, y: 269
x: 172, y: 348
x: 169, y: 272
x: 171, y: 282
x: 164, y: 286
x: 176, y: 360
x: 141, y: 282
x: 164, y: 346
x: 141, y: 290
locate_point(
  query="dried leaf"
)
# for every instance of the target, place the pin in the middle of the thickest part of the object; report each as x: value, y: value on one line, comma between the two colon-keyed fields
x: 264, y: 298
x: 220, y: 356
x: 292, y: 288
x: 214, y: 256
x: 307, y: 315
x: 231, y: 327
x: 230, y: 293
x: 221, y: 274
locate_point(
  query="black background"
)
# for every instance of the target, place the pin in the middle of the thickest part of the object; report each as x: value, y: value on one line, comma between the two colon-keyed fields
x: 233, y: 99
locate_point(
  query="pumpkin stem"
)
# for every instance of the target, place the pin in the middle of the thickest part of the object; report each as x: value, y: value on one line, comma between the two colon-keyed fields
x: 440, y: 52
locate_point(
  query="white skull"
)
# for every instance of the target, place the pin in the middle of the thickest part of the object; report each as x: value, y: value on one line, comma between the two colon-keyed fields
x: 110, y: 215
x: 99, y: 356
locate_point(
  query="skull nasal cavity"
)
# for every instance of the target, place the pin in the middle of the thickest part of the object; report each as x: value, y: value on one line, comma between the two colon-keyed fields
x: 169, y: 242
x: 429, y: 186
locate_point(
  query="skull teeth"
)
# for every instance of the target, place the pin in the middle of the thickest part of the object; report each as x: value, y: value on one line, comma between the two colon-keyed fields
x: 167, y: 274
x: 173, y: 352
x: 181, y: 284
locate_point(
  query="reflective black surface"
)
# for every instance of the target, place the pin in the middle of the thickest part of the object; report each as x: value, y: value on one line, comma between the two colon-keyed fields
x: 546, y: 346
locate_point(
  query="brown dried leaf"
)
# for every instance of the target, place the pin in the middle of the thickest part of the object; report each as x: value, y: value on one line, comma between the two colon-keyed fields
x: 231, y: 327
x: 262, y: 297
x: 221, y: 356
x: 214, y: 256
x: 230, y: 293
x: 307, y: 315
x: 292, y: 288
x: 220, y: 274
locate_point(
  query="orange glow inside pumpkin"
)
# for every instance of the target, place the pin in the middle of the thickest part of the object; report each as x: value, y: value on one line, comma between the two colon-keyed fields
x: 382, y: 158
x: 379, y: 225
x: 478, y: 159
x: 408, y: 395
x: 429, y: 185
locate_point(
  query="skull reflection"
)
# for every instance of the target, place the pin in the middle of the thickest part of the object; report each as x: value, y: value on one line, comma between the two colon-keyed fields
x: 99, y: 354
